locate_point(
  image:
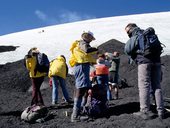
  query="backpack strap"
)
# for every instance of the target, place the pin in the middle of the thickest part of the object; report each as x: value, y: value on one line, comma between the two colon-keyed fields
x: 140, y: 42
x: 35, y: 70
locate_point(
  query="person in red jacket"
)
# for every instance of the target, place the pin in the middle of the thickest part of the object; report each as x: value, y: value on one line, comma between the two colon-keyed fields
x: 102, y: 71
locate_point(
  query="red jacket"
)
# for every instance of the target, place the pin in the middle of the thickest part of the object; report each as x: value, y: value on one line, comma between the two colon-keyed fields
x: 101, y: 69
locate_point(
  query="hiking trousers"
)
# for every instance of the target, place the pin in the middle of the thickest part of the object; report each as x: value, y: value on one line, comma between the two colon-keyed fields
x: 102, y: 80
x: 56, y: 80
x: 149, y: 77
x: 36, y: 93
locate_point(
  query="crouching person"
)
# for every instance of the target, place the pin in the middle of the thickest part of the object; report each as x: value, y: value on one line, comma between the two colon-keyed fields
x: 96, y: 105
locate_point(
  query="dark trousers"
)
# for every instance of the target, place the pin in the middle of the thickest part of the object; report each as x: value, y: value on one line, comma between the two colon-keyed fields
x: 36, y: 93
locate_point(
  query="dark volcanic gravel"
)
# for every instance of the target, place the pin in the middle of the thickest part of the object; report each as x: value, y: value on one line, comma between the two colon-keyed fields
x: 14, y: 97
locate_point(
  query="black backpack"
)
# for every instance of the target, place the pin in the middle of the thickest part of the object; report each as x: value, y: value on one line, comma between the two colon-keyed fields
x: 42, y: 63
x: 149, y: 44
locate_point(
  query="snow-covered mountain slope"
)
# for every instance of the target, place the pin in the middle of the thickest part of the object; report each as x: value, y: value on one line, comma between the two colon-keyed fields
x: 55, y: 40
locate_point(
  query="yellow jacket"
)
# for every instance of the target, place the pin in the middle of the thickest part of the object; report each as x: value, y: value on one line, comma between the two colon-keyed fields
x: 58, y: 67
x: 30, y: 65
x: 79, y: 56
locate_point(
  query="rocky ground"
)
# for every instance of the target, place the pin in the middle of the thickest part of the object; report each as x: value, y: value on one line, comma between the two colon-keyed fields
x: 14, y: 97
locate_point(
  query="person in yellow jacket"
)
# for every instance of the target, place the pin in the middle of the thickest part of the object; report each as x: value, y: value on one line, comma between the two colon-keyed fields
x: 36, y: 78
x: 82, y: 55
x: 58, y: 72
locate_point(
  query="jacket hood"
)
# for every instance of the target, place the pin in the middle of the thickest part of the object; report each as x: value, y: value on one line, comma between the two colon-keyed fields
x: 136, y: 30
x: 60, y: 58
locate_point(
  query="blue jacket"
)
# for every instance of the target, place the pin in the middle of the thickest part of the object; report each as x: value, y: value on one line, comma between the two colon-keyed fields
x: 131, y: 48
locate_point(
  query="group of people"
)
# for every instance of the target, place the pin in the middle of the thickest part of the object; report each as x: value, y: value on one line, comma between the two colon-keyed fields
x: 103, y: 70
x: 94, y: 70
x: 57, y: 71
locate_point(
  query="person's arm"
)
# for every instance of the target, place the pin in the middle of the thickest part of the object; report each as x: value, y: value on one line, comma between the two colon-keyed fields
x: 66, y: 70
x: 28, y: 63
x: 131, y: 47
x: 86, y: 47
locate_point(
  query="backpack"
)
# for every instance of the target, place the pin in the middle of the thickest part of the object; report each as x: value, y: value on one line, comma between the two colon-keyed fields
x: 33, y: 113
x: 148, y: 43
x: 96, y: 105
x: 42, y: 63
x: 93, y: 109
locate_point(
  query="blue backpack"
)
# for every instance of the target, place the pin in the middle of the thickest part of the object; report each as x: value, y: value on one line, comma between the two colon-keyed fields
x: 149, y: 44
x: 97, y: 105
x: 94, y: 109
x: 42, y: 63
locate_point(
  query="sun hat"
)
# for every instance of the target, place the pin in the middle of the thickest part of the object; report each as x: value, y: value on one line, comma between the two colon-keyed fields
x: 86, y: 35
x: 34, y: 50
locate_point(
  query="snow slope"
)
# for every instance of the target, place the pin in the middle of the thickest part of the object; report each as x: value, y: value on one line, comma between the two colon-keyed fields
x: 57, y: 39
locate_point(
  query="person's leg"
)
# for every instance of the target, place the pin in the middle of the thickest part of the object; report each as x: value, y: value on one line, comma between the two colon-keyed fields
x: 54, y: 90
x: 64, y: 89
x: 39, y: 83
x: 144, y: 82
x: 79, y: 93
x: 115, y: 84
x: 111, y: 81
x: 34, y: 92
x: 102, y: 80
x: 116, y: 91
x: 84, y: 99
x: 156, y: 86
x: 99, y: 80
x: 106, y: 83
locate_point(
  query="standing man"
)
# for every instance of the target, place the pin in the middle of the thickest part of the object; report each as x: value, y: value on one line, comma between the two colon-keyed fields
x: 82, y: 55
x: 149, y: 72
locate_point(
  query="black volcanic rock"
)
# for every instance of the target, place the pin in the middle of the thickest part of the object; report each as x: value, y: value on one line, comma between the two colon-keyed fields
x: 7, y: 48
x: 14, y: 97
x: 111, y: 46
x: 14, y: 76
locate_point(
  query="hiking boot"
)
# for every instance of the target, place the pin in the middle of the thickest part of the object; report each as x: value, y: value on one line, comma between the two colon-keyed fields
x: 69, y: 101
x: 79, y: 118
x: 84, y: 118
x: 54, y: 103
x: 144, y: 115
x: 41, y: 120
x: 115, y: 97
x: 161, y: 116
x: 74, y: 118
